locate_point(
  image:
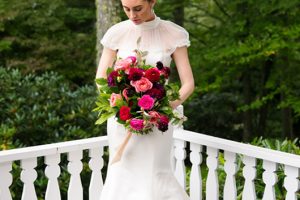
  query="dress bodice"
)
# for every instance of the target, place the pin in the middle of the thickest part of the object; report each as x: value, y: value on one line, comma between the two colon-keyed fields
x: 159, y: 38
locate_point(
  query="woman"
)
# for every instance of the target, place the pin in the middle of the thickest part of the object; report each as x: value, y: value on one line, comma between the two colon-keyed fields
x: 144, y: 171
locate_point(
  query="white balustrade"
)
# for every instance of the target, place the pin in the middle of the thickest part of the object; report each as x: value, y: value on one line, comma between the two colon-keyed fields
x: 28, y: 176
x: 52, y: 172
x: 5, y: 180
x: 291, y: 182
x: 232, y: 152
x: 212, y: 183
x: 180, y: 155
x: 249, y: 173
x: 75, y: 190
x: 270, y: 179
x: 230, y: 168
x: 195, y: 177
x: 96, y: 163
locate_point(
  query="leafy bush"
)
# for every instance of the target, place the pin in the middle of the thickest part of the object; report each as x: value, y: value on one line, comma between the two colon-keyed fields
x: 44, y: 109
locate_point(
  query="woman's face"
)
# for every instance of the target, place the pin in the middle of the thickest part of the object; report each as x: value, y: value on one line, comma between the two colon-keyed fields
x: 138, y: 11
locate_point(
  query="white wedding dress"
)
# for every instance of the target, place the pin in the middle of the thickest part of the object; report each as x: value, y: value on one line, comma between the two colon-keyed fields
x: 144, y: 171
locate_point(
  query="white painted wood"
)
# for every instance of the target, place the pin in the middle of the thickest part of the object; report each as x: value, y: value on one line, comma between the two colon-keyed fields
x: 239, y: 148
x: 52, y: 172
x: 180, y: 155
x: 5, y: 180
x: 270, y: 179
x: 50, y: 149
x: 28, y: 176
x: 212, y: 183
x: 249, y: 173
x: 96, y: 163
x: 75, y: 190
x: 230, y: 168
x: 195, y: 177
x: 291, y: 182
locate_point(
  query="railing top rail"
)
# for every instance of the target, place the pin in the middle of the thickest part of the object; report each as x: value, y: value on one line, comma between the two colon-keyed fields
x: 48, y: 149
x: 240, y: 148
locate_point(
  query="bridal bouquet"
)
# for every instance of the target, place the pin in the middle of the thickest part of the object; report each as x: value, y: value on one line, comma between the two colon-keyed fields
x: 138, y: 95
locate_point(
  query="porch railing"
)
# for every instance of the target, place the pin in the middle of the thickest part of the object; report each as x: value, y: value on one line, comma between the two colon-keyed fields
x: 190, y: 147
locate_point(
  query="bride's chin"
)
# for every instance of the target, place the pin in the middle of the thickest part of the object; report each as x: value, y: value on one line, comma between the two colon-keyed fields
x: 136, y: 22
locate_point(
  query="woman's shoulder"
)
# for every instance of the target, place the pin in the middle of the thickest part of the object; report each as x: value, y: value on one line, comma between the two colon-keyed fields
x: 121, y: 26
x: 166, y: 24
x: 113, y: 35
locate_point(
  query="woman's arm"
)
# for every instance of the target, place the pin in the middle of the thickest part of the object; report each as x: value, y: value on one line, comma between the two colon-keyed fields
x: 107, y: 59
x: 184, y: 69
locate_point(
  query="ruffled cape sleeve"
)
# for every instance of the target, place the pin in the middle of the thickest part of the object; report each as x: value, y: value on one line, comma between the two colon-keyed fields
x: 177, y: 36
x: 111, y: 38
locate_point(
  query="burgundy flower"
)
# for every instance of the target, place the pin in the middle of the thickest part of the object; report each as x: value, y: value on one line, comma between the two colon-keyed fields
x: 157, y: 93
x: 130, y: 91
x: 135, y: 74
x: 159, y: 65
x: 163, y: 123
x: 166, y: 72
x: 111, y: 80
x: 125, y: 113
x: 152, y: 75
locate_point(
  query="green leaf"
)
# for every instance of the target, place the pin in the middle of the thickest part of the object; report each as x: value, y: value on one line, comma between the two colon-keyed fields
x: 101, y: 81
x: 103, y: 117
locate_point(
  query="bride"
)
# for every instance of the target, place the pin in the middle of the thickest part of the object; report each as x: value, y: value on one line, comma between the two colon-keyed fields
x: 144, y: 171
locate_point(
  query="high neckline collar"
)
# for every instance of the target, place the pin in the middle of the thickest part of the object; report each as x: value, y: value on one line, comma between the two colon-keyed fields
x: 148, y: 25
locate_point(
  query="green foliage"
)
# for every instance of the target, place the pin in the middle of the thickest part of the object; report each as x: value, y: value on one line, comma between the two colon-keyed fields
x: 45, y: 109
x: 49, y: 35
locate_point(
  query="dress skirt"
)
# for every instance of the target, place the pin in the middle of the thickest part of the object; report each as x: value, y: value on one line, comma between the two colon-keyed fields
x: 144, y: 171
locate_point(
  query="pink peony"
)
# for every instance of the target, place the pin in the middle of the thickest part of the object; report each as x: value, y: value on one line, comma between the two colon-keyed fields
x: 137, y: 124
x: 154, y: 116
x: 113, y: 99
x: 146, y: 102
x: 141, y: 85
x: 123, y: 64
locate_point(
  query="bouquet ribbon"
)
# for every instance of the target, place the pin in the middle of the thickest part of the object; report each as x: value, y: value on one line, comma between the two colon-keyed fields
x: 121, y: 148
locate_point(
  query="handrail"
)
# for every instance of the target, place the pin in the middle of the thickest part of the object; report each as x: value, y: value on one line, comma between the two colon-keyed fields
x: 49, y: 149
x: 239, y: 148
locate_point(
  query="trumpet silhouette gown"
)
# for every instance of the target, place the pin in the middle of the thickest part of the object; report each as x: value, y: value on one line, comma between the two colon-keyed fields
x: 144, y: 171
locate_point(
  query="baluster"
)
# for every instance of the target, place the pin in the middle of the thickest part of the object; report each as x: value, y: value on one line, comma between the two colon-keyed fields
x: 75, y: 191
x: 249, y: 173
x: 52, y: 173
x: 230, y: 168
x: 96, y: 163
x: 195, y: 177
x: 270, y: 179
x: 212, y: 184
x: 6, y: 180
x: 28, y: 176
x: 291, y: 182
x: 180, y: 155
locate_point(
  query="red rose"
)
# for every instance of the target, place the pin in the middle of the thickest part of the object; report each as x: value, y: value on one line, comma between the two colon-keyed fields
x: 125, y: 113
x: 152, y: 74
